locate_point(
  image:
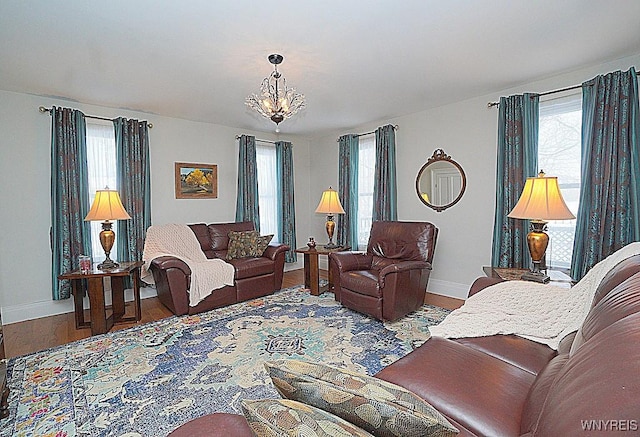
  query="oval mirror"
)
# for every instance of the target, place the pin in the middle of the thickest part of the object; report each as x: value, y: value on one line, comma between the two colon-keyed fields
x: 441, y: 182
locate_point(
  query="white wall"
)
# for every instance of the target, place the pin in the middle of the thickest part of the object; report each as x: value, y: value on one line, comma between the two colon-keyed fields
x: 25, y: 256
x: 468, y: 132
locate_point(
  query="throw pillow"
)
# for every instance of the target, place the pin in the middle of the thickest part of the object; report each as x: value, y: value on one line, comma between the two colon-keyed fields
x: 246, y: 244
x: 262, y: 243
x: 377, y: 406
x: 282, y: 417
x: 242, y: 244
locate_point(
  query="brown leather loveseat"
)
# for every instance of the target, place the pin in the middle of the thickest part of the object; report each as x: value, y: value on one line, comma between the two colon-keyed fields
x: 505, y: 385
x: 254, y: 277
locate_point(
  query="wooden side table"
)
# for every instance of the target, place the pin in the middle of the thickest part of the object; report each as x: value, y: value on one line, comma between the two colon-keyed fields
x: 558, y: 278
x: 4, y: 389
x: 311, y: 271
x: 93, y: 283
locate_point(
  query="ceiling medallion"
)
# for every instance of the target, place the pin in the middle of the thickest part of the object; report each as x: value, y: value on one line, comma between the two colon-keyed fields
x: 276, y: 101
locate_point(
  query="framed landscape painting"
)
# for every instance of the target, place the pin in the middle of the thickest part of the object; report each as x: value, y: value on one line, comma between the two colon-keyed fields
x: 196, y: 181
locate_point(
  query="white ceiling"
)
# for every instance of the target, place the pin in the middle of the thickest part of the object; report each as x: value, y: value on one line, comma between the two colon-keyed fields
x: 356, y: 61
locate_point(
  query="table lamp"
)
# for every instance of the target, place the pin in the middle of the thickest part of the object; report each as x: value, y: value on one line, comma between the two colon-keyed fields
x: 330, y: 204
x: 540, y: 201
x: 108, y: 207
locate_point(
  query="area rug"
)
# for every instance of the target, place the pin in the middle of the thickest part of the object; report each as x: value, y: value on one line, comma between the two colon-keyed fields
x: 149, y: 379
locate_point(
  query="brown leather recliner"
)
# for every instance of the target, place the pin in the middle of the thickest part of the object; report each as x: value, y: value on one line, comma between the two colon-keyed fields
x: 390, y: 280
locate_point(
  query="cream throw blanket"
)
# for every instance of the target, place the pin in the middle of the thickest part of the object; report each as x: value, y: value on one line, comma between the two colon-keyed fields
x: 542, y: 313
x: 180, y: 241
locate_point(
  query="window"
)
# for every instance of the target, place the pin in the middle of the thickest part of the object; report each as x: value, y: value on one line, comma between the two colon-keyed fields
x: 559, y: 154
x: 366, y: 175
x: 267, y: 190
x: 101, y: 170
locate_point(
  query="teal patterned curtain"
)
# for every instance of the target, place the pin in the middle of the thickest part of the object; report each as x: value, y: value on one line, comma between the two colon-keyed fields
x: 385, y: 193
x: 517, y: 160
x: 608, y: 216
x: 286, y: 201
x: 70, y: 234
x: 347, y: 224
x: 247, y: 208
x: 133, y: 178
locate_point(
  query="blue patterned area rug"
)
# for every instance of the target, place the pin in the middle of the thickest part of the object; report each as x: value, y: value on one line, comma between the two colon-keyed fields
x: 149, y: 379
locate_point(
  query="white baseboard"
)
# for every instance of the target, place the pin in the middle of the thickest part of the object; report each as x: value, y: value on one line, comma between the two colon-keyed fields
x: 448, y: 289
x: 36, y: 310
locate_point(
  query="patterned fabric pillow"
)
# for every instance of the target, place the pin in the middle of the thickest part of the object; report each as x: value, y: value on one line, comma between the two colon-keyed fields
x: 262, y: 244
x: 247, y: 244
x: 282, y: 417
x: 377, y: 406
x: 242, y: 244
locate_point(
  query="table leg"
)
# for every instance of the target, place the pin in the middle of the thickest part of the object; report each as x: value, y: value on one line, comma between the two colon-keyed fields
x: 307, y: 272
x: 76, y: 289
x: 117, y: 297
x: 136, y: 293
x: 314, y: 275
x: 97, y: 306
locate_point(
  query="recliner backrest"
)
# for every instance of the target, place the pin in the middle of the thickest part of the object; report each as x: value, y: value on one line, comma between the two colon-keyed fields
x: 407, y: 241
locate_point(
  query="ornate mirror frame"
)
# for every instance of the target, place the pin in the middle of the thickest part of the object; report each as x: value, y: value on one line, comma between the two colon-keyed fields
x: 440, y: 156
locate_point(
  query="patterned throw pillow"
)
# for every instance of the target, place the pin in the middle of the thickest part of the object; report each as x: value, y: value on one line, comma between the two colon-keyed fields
x: 262, y: 244
x: 377, y: 406
x: 282, y: 417
x: 242, y: 244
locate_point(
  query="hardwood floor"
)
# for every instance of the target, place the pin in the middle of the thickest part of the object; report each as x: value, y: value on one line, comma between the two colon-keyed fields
x: 34, y: 335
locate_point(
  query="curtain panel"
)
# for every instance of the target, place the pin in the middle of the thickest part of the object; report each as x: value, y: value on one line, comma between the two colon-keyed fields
x: 286, y: 201
x: 517, y: 160
x: 608, y: 215
x: 133, y: 178
x: 385, y: 192
x: 247, y: 206
x: 70, y: 234
x: 348, y: 191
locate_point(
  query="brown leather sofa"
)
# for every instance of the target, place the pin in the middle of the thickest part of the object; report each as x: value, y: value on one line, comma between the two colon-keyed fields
x: 505, y: 385
x: 390, y: 280
x: 254, y: 277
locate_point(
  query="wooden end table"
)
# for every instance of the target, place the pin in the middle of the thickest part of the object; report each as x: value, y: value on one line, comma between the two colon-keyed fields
x: 93, y: 283
x: 558, y: 278
x: 311, y: 272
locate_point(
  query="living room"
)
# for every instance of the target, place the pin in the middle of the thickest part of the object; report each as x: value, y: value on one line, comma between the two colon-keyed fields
x: 463, y: 126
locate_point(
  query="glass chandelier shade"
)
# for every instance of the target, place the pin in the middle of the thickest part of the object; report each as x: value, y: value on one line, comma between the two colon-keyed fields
x: 276, y: 101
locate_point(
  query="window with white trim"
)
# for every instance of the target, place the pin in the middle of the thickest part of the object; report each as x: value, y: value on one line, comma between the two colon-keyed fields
x: 366, y: 175
x: 559, y: 154
x: 267, y: 190
x: 101, y: 171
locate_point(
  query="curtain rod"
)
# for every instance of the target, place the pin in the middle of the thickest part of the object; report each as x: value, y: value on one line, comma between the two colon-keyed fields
x: 259, y: 140
x: 574, y: 87
x: 43, y: 110
x: 395, y: 127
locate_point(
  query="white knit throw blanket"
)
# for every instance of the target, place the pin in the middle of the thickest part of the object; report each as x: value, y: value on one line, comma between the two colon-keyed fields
x: 542, y: 313
x: 180, y: 241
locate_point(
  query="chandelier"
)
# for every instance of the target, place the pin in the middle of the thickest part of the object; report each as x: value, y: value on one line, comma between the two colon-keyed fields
x: 276, y: 101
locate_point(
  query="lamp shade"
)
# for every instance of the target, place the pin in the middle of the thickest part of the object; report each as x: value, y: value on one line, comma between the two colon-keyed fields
x: 107, y: 206
x: 541, y: 200
x: 330, y: 203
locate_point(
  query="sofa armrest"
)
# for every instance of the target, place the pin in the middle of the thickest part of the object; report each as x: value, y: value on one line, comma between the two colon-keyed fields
x: 348, y: 261
x: 173, y: 278
x: 482, y: 283
x: 170, y: 262
x: 273, y: 250
x: 402, y: 266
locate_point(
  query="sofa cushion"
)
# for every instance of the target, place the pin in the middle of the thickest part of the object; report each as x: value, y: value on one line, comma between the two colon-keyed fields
x: 598, y: 387
x: 402, y: 240
x: 219, y: 236
x: 377, y: 406
x: 283, y: 417
x: 519, y: 351
x: 625, y: 269
x: 482, y: 393
x: 252, y: 267
x: 201, y: 232
x: 361, y: 281
x: 615, y: 305
x: 224, y: 424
